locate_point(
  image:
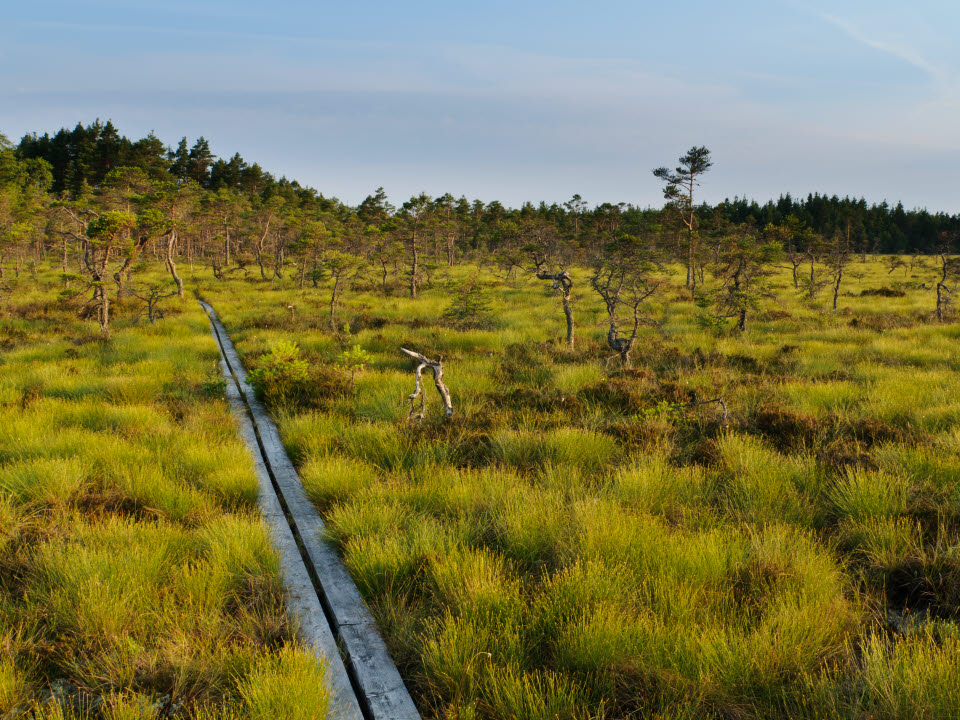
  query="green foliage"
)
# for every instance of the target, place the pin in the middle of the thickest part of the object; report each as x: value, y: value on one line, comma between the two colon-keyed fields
x: 664, y: 410
x: 291, y: 684
x: 581, y: 544
x: 355, y: 359
x: 281, y: 374
x: 471, y: 308
x: 706, y: 318
x: 111, y: 225
x: 152, y: 222
x: 135, y: 574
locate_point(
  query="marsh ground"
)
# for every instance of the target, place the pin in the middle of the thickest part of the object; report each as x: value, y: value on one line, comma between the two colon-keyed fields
x: 136, y: 579
x: 578, y: 541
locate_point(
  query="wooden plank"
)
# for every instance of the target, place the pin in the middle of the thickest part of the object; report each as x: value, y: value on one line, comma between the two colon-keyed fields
x: 302, y: 600
x: 380, y: 688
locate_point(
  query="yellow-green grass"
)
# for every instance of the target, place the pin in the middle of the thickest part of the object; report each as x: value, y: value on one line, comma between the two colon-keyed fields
x: 136, y: 578
x: 579, y: 541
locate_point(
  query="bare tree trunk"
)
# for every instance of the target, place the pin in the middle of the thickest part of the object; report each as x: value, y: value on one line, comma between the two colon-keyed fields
x: 171, y: 265
x: 414, y: 267
x: 436, y: 366
x: 742, y: 310
x: 104, y: 312
x: 98, y: 269
x: 278, y: 260
x: 123, y: 274
x: 942, y: 289
x: 118, y: 276
x: 259, y: 248
x: 568, y: 311
x: 263, y: 273
x: 334, y: 292
x: 563, y: 284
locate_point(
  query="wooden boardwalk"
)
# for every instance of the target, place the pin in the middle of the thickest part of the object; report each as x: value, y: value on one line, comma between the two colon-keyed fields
x: 333, y: 619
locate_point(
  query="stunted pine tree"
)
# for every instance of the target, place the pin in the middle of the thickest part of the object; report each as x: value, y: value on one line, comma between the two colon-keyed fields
x: 226, y: 206
x: 747, y: 260
x: 508, y: 258
x: 385, y: 249
x: 575, y: 208
x: 262, y: 219
x: 949, y: 272
x: 416, y: 213
x: 126, y: 189
x: 837, y: 259
x: 679, y: 186
x: 817, y: 247
x: 341, y: 267
x: 626, y: 276
x: 445, y: 228
x: 798, y: 242
x: 104, y: 233
x: 550, y: 260
x: 176, y: 202
x: 376, y: 209
x: 310, y: 242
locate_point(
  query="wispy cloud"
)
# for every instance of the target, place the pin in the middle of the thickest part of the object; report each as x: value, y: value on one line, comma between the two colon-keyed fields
x: 176, y: 31
x: 894, y: 49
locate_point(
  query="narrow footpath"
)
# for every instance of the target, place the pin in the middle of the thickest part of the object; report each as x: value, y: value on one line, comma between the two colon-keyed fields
x: 333, y: 619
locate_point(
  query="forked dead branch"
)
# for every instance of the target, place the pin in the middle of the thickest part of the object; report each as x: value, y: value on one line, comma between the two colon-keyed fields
x: 721, y: 403
x: 436, y: 366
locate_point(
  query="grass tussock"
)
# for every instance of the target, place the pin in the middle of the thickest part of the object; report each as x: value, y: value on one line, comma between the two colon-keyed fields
x: 136, y: 580
x: 583, y: 540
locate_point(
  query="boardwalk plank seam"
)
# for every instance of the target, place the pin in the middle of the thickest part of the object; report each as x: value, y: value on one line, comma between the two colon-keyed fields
x: 303, y: 603
x: 376, y: 680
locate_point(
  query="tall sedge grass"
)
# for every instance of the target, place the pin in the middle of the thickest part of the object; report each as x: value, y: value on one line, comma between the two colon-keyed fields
x: 864, y: 494
x: 581, y: 542
x: 136, y: 579
x: 290, y: 685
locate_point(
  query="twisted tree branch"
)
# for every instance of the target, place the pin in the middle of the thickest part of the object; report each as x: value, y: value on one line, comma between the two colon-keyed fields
x: 436, y: 366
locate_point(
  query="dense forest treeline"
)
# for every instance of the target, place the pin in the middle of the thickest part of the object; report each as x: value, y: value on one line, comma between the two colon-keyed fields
x: 99, y: 202
x: 83, y: 157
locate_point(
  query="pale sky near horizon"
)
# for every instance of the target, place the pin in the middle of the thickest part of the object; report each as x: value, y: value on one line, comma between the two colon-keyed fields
x: 514, y: 100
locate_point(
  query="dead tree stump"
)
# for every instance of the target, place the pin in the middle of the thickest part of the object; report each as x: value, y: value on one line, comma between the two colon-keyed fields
x: 436, y: 366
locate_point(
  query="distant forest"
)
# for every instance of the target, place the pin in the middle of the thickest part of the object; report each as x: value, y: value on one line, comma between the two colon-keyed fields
x: 81, y: 159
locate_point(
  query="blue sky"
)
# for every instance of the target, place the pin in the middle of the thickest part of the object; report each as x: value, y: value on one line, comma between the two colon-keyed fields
x: 514, y: 101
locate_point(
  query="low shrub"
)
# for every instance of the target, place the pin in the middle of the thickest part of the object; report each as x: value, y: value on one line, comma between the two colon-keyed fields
x: 283, y: 379
x: 471, y: 309
x: 882, y: 292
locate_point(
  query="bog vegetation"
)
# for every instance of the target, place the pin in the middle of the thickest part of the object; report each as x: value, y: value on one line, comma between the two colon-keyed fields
x: 703, y: 461
x: 588, y: 539
x: 136, y: 580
